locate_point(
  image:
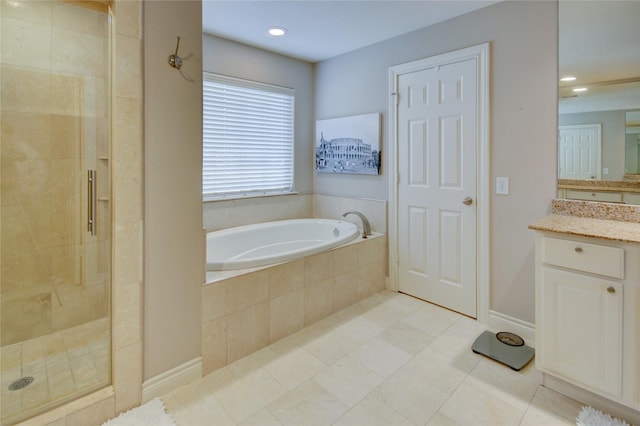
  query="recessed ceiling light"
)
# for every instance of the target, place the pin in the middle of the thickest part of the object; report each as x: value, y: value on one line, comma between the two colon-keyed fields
x: 580, y: 89
x: 568, y: 78
x: 276, y: 31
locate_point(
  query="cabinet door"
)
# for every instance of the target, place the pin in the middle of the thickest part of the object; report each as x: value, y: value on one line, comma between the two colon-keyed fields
x: 582, y: 329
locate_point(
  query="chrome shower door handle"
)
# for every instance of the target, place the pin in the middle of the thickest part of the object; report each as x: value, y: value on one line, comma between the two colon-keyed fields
x: 467, y: 201
x: 92, y: 202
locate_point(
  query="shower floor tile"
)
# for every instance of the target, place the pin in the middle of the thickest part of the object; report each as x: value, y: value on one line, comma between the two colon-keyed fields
x: 64, y: 365
x: 388, y: 360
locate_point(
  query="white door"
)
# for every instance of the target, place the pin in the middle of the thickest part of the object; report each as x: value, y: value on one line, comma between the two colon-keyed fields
x: 437, y: 117
x: 579, y: 151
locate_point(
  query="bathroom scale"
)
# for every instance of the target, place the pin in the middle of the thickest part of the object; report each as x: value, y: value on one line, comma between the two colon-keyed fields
x: 504, y: 347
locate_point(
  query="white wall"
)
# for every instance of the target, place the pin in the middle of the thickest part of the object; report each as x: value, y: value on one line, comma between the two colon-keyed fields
x: 173, y: 243
x: 524, y: 46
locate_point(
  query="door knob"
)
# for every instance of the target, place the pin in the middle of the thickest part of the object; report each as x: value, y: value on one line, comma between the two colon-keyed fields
x: 467, y: 201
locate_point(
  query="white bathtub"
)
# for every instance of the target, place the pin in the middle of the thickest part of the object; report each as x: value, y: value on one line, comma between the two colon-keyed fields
x: 273, y: 242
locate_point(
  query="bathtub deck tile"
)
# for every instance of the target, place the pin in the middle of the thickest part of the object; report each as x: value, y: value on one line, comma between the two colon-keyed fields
x: 286, y: 278
x: 286, y: 315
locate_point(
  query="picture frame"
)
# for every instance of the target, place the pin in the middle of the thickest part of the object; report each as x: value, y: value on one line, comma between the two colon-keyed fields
x: 348, y: 145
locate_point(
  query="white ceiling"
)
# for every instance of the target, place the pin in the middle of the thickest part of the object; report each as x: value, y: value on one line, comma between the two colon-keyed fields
x: 323, y: 29
x: 599, y: 41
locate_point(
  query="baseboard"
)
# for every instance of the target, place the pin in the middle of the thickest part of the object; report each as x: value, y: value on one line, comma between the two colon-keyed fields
x: 170, y: 380
x: 588, y: 398
x: 502, y: 322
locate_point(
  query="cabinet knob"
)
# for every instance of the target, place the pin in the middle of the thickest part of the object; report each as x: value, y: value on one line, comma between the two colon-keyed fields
x: 578, y: 249
x: 611, y: 290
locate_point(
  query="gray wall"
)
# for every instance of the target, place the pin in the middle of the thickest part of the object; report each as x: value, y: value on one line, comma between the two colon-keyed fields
x: 524, y: 46
x: 174, y: 241
x: 221, y: 56
x: 523, y: 120
x: 613, y: 137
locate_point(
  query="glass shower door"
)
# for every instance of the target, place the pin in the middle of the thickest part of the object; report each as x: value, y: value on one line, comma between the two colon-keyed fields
x: 55, y: 216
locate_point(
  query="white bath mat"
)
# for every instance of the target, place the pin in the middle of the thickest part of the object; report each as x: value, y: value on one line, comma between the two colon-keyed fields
x: 591, y: 417
x: 150, y: 414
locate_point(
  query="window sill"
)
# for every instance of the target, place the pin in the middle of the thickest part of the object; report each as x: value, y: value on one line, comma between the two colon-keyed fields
x: 246, y: 197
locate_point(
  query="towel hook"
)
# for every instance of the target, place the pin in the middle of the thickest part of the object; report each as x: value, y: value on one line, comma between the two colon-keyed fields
x: 174, y: 60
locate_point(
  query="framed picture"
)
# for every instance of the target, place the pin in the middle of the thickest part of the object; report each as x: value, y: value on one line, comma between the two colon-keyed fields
x: 348, y: 145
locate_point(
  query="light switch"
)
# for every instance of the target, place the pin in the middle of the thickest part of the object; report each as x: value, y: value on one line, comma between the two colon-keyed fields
x: 502, y: 185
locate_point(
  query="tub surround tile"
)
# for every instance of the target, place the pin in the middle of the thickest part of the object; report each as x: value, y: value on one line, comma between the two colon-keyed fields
x: 318, y: 267
x: 214, y: 301
x: 286, y: 278
x: 333, y: 207
x: 247, y: 290
x: 318, y: 301
x: 286, y: 315
x: 244, y: 311
x: 214, y: 344
x: 344, y: 258
x: 247, y: 331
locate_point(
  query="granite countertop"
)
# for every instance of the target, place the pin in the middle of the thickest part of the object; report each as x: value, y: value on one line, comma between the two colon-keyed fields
x: 601, y: 185
x: 589, y: 227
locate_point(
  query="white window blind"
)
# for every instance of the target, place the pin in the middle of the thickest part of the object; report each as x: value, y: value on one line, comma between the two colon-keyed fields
x: 247, y: 138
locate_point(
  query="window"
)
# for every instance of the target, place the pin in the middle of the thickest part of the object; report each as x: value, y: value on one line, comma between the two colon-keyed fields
x: 247, y: 138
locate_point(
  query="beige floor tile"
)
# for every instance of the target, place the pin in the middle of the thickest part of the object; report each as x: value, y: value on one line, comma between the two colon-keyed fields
x: 331, y: 347
x: 262, y: 418
x: 440, y: 419
x: 371, y: 412
x: 201, y: 411
x: 431, y: 319
x: 380, y: 356
x: 550, y: 408
x: 360, y: 329
x: 294, y: 368
x: 308, y: 404
x: 384, y: 315
x: 406, y: 337
x: 411, y: 396
x: 253, y: 362
x: 469, y: 405
x: 515, y: 388
x: 437, y: 369
x: 249, y: 394
x: 349, y: 380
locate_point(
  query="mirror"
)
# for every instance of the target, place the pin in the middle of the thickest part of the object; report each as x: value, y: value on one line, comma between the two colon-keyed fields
x: 599, y: 45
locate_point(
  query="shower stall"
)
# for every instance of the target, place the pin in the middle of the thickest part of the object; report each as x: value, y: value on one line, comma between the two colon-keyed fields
x: 55, y: 208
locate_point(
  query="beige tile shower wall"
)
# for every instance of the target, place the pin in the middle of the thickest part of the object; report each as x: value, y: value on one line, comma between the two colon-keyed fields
x: 332, y: 207
x: 243, y: 314
x: 126, y: 286
x: 229, y: 213
x: 47, y: 113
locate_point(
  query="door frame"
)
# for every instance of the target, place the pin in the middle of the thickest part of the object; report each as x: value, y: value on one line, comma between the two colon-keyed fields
x: 481, y: 54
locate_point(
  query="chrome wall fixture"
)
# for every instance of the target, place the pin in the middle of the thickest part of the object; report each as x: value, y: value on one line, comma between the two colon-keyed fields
x: 174, y: 60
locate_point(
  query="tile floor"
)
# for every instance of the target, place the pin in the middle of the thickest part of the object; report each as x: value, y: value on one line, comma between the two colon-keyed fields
x: 64, y: 365
x: 388, y: 360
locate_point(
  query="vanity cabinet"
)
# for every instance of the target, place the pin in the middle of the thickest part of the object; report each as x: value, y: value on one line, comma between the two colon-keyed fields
x: 603, y: 196
x: 586, y: 314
